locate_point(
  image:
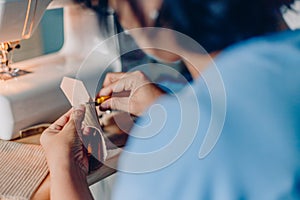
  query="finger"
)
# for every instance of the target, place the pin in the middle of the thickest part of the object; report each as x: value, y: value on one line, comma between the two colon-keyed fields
x: 121, y: 82
x: 78, y: 116
x: 116, y: 103
x: 120, y: 88
x: 112, y: 88
x: 49, y: 132
x: 112, y: 77
x: 57, y: 126
x: 106, y: 91
x: 61, y: 122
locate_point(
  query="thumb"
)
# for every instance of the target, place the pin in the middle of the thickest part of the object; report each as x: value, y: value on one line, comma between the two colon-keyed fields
x: 116, y: 103
x: 76, y: 119
x: 124, y: 84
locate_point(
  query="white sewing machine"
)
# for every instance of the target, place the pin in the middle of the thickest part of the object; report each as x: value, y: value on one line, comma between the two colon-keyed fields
x: 35, y: 97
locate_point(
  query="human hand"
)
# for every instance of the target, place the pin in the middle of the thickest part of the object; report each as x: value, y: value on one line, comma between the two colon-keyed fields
x: 142, y: 92
x: 67, y: 157
x: 117, y: 122
x: 62, y: 143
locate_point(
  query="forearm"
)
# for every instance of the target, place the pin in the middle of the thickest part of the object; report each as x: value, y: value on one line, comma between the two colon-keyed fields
x: 69, y: 183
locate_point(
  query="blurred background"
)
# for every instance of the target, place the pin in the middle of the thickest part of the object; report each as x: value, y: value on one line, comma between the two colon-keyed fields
x: 49, y: 37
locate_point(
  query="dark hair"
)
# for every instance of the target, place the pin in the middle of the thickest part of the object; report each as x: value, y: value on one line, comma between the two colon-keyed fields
x: 215, y: 24
x: 101, y: 7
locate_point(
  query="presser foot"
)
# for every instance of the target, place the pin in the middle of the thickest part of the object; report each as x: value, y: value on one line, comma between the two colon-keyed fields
x: 12, y: 73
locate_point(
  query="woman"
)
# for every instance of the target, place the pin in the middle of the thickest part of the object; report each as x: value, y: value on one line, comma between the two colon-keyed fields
x: 225, y: 23
x: 257, y: 155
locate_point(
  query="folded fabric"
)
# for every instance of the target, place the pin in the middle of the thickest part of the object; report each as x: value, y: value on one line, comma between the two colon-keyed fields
x: 23, y: 167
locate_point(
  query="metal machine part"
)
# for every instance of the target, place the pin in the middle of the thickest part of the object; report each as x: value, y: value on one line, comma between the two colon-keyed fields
x: 6, y: 71
x: 18, y: 21
x: 19, y: 18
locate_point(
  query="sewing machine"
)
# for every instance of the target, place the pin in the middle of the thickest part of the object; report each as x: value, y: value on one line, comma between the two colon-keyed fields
x: 31, y: 95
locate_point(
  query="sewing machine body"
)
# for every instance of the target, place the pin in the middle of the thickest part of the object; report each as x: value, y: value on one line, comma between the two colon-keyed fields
x: 36, y: 97
x: 18, y: 19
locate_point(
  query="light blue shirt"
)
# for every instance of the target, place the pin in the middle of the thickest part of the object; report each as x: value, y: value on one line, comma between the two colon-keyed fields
x: 258, y: 153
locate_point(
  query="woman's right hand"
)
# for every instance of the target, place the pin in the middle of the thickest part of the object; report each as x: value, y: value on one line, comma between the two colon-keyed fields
x: 67, y: 157
x: 142, y: 92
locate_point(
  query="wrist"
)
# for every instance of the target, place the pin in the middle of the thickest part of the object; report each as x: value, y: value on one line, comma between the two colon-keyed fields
x: 67, y: 169
x: 58, y: 161
x: 69, y: 182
